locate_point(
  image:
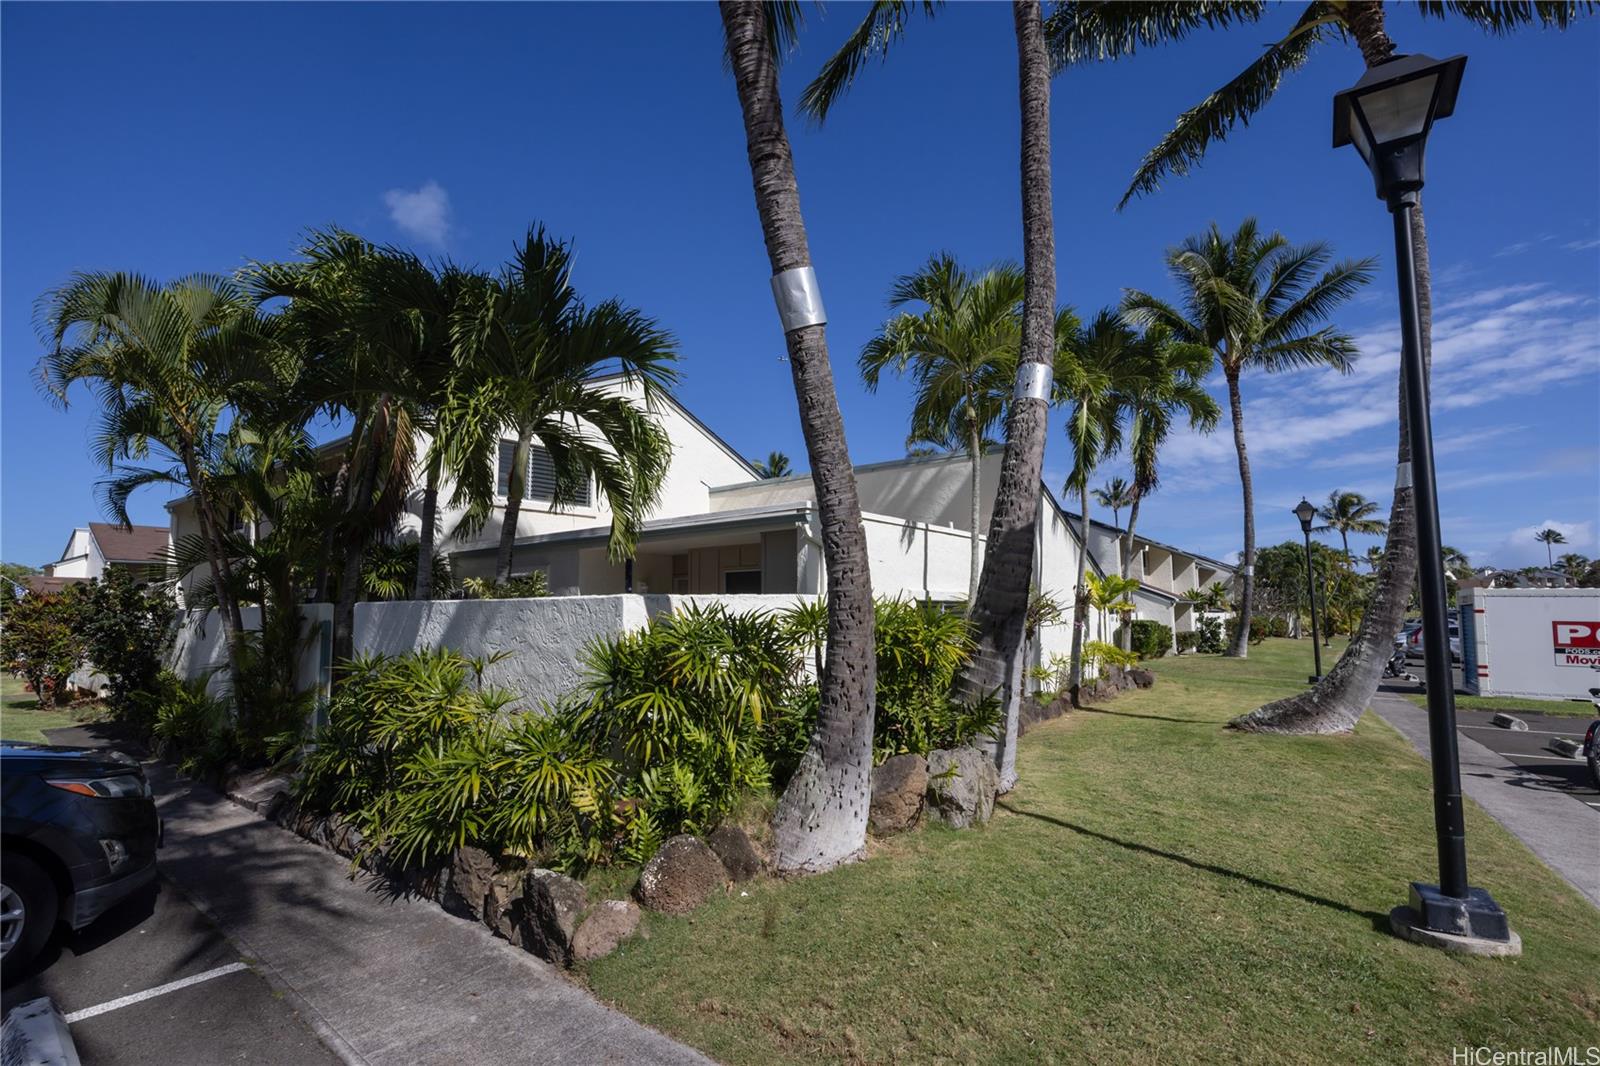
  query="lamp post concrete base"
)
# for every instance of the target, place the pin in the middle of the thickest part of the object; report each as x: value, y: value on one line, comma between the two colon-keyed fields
x: 1405, y: 923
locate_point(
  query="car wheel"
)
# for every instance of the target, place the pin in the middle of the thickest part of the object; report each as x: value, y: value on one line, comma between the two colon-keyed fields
x: 1594, y: 764
x: 27, y: 914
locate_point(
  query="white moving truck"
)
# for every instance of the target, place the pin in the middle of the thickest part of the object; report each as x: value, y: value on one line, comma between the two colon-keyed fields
x: 1543, y: 643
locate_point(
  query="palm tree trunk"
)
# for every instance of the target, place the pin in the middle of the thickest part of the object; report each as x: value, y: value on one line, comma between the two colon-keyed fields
x: 430, y: 517
x: 821, y: 820
x: 516, y: 483
x: 1344, y: 535
x: 1127, y: 560
x: 221, y: 565
x: 1080, y: 602
x: 1000, y: 609
x: 1336, y: 703
x: 1247, y: 568
x: 975, y: 449
x: 366, y: 457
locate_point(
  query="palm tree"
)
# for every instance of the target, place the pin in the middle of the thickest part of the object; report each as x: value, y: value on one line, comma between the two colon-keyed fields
x: 1089, y: 376
x: 961, y: 353
x: 1455, y: 560
x: 361, y: 365
x: 1349, y: 512
x: 1375, y: 557
x: 1100, y: 29
x: 1573, y: 565
x: 776, y: 465
x: 1163, y: 383
x: 169, y: 364
x: 1550, y: 538
x: 1117, y: 494
x: 821, y: 819
x: 543, y: 351
x: 999, y: 611
x: 1256, y: 302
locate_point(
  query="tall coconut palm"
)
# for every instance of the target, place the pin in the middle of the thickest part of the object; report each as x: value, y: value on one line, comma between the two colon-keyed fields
x: 1116, y: 493
x: 1374, y: 557
x: 1102, y: 29
x: 961, y: 354
x: 999, y: 611
x: 543, y: 352
x: 1090, y: 374
x: 821, y: 819
x: 1162, y: 384
x: 1550, y: 538
x: 170, y: 364
x: 1258, y: 303
x: 776, y: 464
x: 1347, y: 513
x: 1455, y: 560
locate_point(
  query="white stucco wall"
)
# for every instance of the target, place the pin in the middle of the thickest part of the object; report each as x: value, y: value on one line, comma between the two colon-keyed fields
x: 544, y: 639
x: 80, y: 558
x: 200, y: 648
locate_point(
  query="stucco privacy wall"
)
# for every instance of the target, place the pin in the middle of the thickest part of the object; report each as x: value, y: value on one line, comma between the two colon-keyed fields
x: 543, y: 638
x: 200, y: 649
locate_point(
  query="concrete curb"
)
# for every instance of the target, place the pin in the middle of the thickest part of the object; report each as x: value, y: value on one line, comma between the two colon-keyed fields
x: 1509, y: 721
x: 35, y: 1034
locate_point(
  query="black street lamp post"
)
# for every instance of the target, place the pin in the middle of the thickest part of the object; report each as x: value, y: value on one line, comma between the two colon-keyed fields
x: 1305, y: 511
x: 1387, y: 116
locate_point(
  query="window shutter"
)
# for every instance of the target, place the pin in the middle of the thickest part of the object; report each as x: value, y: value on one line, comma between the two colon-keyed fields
x: 508, y: 449
x: 541, y: 480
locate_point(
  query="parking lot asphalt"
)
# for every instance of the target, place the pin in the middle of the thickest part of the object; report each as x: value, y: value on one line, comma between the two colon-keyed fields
x: 230, y: 1014
x: 1530, y: 750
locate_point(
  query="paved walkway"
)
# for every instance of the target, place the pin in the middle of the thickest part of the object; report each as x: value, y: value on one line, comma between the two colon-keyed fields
x: 382, y: 980
x: 1563, y: 833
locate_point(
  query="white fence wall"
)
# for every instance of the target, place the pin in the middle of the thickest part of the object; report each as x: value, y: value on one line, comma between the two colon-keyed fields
x: 200, y: 647
x: 543, y: 638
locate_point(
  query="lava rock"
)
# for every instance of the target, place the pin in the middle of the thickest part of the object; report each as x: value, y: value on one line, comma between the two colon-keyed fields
x: 737, y: 852
x: 608, y: 925
x: 472, y: 871
x: 898, y: 790
x: 1141, y: 677
x: 682, y: 875
x: 961, y: 786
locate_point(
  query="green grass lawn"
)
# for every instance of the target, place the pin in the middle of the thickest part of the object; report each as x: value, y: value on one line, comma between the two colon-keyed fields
x: 21, y: 717
x: 1156, y: 888
x: 1562, y: 708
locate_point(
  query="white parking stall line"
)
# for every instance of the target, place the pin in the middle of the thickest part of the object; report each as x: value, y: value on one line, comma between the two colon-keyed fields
x: 1536, y: 732
x: 151, y: 993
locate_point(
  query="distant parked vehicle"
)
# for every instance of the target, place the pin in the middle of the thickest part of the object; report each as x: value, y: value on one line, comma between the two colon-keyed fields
x: 1415, y: 645
x: 78, y: 833
x: 1591, y: 741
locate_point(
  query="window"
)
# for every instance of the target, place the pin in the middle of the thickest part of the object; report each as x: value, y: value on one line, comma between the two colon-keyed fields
x: 541, y: 483
x: 741, y: 582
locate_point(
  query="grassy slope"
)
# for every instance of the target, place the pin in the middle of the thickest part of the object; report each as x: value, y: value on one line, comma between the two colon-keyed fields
x: 20, y: 716
x: 1562, y: 708
x: 1157, y: 888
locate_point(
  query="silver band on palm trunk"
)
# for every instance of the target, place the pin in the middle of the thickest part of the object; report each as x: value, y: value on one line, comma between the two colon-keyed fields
x: 1034, y: 381
x: 799, y: 299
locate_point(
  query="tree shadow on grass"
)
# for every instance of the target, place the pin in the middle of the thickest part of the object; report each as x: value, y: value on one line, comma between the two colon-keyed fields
x: 1151, y: 717
x: 1380, y: 922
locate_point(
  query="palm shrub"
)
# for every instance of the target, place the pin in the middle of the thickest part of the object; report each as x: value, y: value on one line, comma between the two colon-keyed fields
x: 680, y: 705
x: 921, y: 649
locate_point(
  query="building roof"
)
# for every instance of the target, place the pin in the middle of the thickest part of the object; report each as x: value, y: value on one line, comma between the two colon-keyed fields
x: 711, y: 522
x: 45, y: 585
x: 130, y: 544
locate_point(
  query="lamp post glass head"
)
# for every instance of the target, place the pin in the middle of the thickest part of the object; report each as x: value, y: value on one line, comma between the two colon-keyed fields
x: 1305, y: 511
x: 1388, y: 113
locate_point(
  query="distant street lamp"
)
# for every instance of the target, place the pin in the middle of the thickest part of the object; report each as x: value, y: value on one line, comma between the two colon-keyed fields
x: 1306, y: 511
x: 1387, y: 115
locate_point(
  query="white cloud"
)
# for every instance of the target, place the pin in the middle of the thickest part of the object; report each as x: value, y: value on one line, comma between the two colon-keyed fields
x: 1582, y: 245
x: 1520, y: 549
x: 422, y: 213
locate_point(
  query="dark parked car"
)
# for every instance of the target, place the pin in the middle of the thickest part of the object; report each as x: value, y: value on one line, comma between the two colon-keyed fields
x: 80, y: 833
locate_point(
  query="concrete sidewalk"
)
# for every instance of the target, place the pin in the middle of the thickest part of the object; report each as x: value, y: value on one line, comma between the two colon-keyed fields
x: 381, y: 980
x: 1563, y: 833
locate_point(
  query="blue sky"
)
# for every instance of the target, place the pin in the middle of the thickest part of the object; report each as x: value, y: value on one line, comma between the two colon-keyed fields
x: 181, y: 138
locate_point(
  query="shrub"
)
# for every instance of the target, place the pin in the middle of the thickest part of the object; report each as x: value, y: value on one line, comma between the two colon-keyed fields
x: 1101, y: 655
x: 125, y: 628
x: 1187, y: 640
x: 525, y: 587
x: 40, y: 641
x: 1259, y: 630
x: 195, y: 728
x: 1209, y: 639
x: 417, y: 754
x: 920, y: 649
x: 1149, y: 638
